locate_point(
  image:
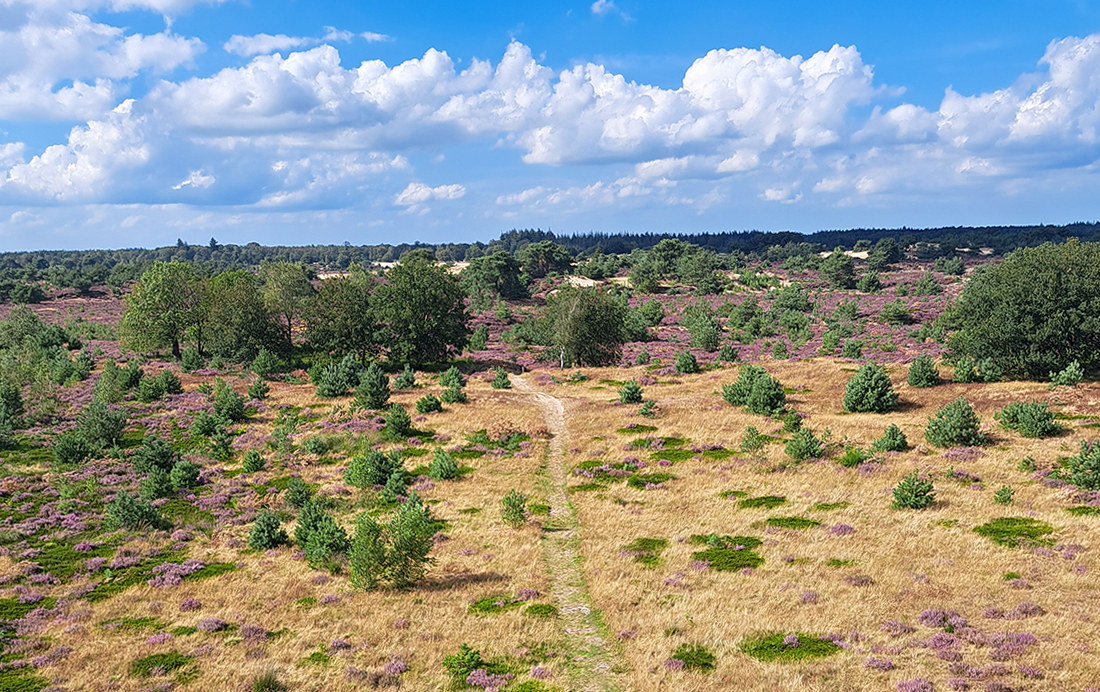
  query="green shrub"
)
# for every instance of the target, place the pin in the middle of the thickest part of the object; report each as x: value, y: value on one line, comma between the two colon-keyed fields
x: 853, y: 456
x: 630, y: 392
x: 124, y: 512
x: 479, y: 338
x: 297, y: 492
x: 154, y: 453
x: 752, y: 440
x: 150, y: 389
x: 1004, y: 495
x: 463, y: 663
x: 895, y: 314
x: 869, y: 283
x: 648, y: 409
x: 989, y: 370
x: 955, y: 425
x: 643, y: 358
x: 914, y: 492
x: 892, y: 440
x: 228, y: 404
x: 1071, y: 376
x: 156, y: 485
x: 398, y: 422
x: 966, y: 370
x: 500, y: 379
x: 1083, y: 470
x: 443, y: 466
x: 453, y: 395
x: 395, y: 552
x: 374, y: 389
x: 696, y: 657
x: 870, y: 391
x: 1032, y: 419
x: 767, y: 397
x: 451, y: 378
x: 1015, y: 532
x: 513, y: 509
x: 7, y: 424
x: 190, y: 360
x: 331, y: 383
x: 428, y: 403
x: 203, y: 424
x: 775, y: 647
x: 686, y: 363
x: 99, y: 426
x: 728, y: 553
x: 792, y: 422
x: 737, y: 393
x: 923, y: 373
x: 253, y: 462
x: 804, y: 445
x: 830, y: 342
x: 259, y: 389
x: 265, y: 363
x: 267, y: 532
x: 396, y: 486
x: 325, y: 541
x: 70, y: 448
x: 406, y: 379
x: 852, y: 349
x: 184, y: 475
x: 375, y: 468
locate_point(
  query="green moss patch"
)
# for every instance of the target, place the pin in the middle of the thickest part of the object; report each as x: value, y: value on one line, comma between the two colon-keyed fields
x: 470, y: 510
x: 764, y: 501
x: 796, y: 523
x: 727, y: 553
x: 830, y: 506
x: 60, y: 560
x: 318, y: 658
x: 836, y: 562
x: 646, y: 551
x: 183, y: 512
x: 1015, y: 532
x: 214, y: 569
x: 588, y: 487
x: 158, y: 664
x: 1084, y: 511
x: 467, y: 454
x: 640, y: 480
x: 21, y: 680
x: 539, y: 509
x: 718, y: 454
x: 696, y: 657
x: 12, y: 609
x: 133, y: 625
x: 732, y: 493
x: 636, y: 429
x: 541, y: 610
x: 494, y: 605
x: 673, y: 455
x: 184, y: 630
x: 771, y: 647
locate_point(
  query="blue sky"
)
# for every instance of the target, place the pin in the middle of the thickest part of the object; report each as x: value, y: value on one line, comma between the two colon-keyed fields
x: 133, y: 122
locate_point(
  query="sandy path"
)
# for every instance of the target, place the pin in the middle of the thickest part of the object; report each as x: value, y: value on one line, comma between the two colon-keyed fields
x: 592, y: 661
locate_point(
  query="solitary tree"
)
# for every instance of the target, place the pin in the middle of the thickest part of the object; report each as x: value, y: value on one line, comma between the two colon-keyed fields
x: 585, y: 326
x: 423, y: 310
x: 341, y: 319
x: 544, y: 257
x: 285, y: 288
x: 166, y: 301
x: 496, y: 275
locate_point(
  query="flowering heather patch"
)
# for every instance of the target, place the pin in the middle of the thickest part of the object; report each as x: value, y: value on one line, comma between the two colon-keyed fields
x: 172, y: 574
x: 674, y: 664
x: 395, y: 666
x: 947, y: 619
x: 481, y: 678
x: 212, y: 625
x: 253, y: 633
x: 915, y: 685
x: 841, y: 530
x: 160, y: 638
x: 878, y: 663
x: 329, y: 598
x: 190, y: 604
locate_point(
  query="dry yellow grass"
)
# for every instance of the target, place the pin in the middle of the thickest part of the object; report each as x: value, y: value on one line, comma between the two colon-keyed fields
x: 916, y: 560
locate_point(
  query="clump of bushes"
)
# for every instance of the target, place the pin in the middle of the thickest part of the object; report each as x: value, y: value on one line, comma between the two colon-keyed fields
x: 1031, y: 419
x: 955, y: 425
x: 500, y: 379
x: 267, y: 532
x: 1083, y: 470
x: 393, y: 553
x: 804, y: 445
x: 630, y: 393
x: 923, y: 373
x: 892, y: 440
x: 757, y: 391
x: 374, y: 468
x: 870, y: 391
x: 125, y: 512
x: 914, y: 492
x: 686, y: 363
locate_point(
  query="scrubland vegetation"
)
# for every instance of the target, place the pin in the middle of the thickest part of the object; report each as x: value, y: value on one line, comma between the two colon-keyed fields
x: 800, y: 468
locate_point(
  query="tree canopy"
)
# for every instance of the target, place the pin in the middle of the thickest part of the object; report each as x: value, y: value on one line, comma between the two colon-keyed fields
x: 585, y: 326
x: 1034, y: 313
x: 423, y: 310
x: 166, y: 301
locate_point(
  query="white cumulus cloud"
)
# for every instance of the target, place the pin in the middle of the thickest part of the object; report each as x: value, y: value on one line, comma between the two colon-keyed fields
x: 247, y: 46
x: 419, y: 193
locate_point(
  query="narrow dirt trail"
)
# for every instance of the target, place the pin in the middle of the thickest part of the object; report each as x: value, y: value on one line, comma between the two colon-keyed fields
x: 591, y: 659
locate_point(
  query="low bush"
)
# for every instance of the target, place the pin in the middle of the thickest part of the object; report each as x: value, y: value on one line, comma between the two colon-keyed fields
x: 406, y: 379
x: 452, y: 378
x: 1071, y: 376
x: 955, y: 425
x: 429, y: 403
x: 1004, y: 496
x: 695, y: 657
x: 1083, y: 470
x: 804, y: 445
x: 852, y: 348
x: 318, y: 535
x: 374, y: 468
x: 892, y: 440
x: 267, y: 532
x: 298, y: 493
x: 443, y: 466
x: 923, y: 373
x: 870, y: 391
x: 253, y: 462
x: 228, y: 404
x: 184, y: 475
x: 453, y: 395
x: 265, y: 363
x: 1031, y: 419
x: 125, y: 512
x: 393, y: 553
x: 500, y: 379
x: 686, y: 363
x: 513, y: 509
x: 914, y: 492
x: 398, y: 422
x: 630, y: 393
x: 259, y: 389
x: 374, y: 389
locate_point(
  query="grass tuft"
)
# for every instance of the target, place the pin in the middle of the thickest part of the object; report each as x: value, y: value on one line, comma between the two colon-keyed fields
x: 1016, y: 532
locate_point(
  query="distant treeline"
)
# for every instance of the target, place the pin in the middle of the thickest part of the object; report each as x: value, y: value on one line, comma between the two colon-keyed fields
x: 81, y: 269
